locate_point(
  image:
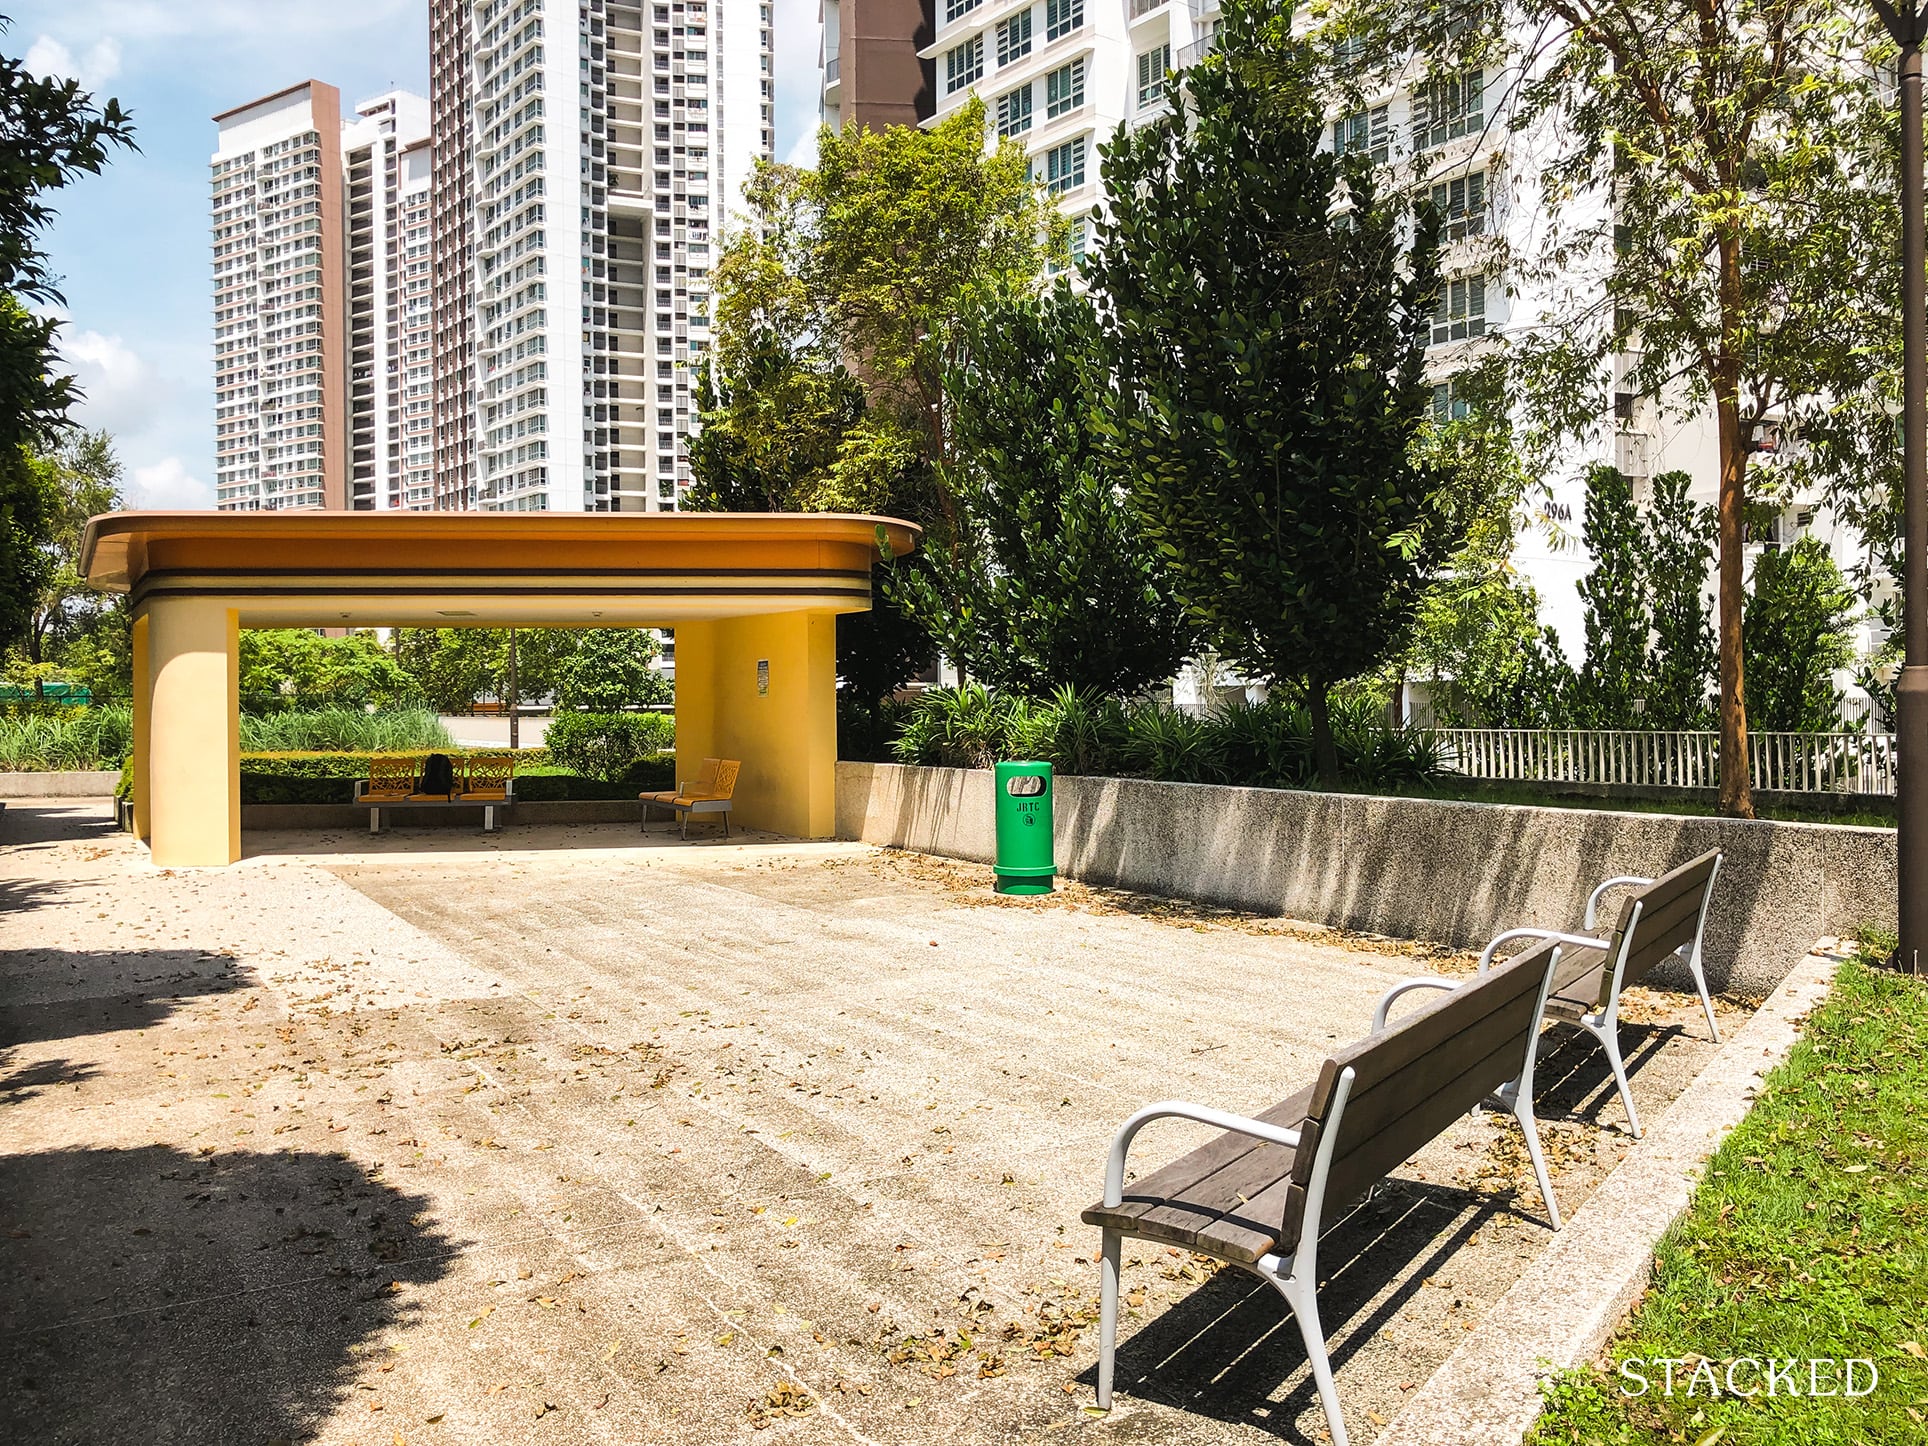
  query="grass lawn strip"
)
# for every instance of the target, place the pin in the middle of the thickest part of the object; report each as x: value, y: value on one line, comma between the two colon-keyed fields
x: 1807, y: 1238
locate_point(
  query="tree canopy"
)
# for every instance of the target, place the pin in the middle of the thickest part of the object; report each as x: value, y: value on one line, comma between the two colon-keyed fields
x: 1712, y: 188
x: 1272, y: 322
x: 1048, y: 581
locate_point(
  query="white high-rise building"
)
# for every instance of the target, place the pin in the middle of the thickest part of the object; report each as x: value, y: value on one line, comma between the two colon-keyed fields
x: 607, y: 143
x: 280, y: 399
x: 386, y: 163
x: 1059, y: 76
x: 320, y: 300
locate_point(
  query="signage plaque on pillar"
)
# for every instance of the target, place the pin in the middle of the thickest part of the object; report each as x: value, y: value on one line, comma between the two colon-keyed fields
x: 763, y: 677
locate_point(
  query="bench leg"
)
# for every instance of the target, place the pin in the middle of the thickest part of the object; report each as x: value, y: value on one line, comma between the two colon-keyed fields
x: 1108, y: 1316
x: 1607, y: 1031
x: 488, y: 818
x: 374, y: 820
x: 1530, y: 1127
x: 1706, y: 1000
x: 1302, y: 1294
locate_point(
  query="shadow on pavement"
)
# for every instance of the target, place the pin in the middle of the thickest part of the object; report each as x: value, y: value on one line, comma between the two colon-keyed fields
x: 64, y: 820
x: 1227, y: 1350
x: 159, y: 1296
x: 65, y: 993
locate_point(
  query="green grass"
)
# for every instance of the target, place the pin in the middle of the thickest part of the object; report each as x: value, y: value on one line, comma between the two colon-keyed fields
x: 1807, y: 1238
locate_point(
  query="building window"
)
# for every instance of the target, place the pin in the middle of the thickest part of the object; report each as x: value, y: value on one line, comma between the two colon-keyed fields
x: 1449, y: 108
x: 1450, y: 403
x: 1014, y: 38
x: 1064, y: 166
x: 1461, y: 312
x: 1152, y: 66
x: 964, y: 64
x: 1461, y: 203
x: 1368, y: 131
x: 1064, y: 90
x: 954, y: 9
x: 1014, y: 112
x: 1061, y: 17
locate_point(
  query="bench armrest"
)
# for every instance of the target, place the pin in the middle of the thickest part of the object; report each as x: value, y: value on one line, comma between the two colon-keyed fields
x: 1593, y: 899
x: 1406, y: 986
x: 1180, y: 1109
x: 1585, y: 941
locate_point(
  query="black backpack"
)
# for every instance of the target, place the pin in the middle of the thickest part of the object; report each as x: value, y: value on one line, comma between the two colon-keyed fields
x: 438, y: 774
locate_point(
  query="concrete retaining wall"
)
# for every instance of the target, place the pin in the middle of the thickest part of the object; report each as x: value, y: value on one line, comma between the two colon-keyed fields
x: 345, y: 815
x: 1456, y: 873
x: 59, y: 785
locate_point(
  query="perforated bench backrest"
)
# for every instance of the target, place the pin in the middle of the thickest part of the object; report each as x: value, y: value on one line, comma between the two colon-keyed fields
x: 489, y: 772
x: 1660, y: 918
x: 724, y: 784
x: 1413, y: 1079
x: 391, y: 774
x: 705, y: 779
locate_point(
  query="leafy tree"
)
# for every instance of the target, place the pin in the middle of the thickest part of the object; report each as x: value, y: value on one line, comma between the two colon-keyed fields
x: 1478, y: 636
x: 452, y: 667
x: 609, y: 670
x: 1619, y: 612
x: 835, y: 319
x: 294, y: 668
x: 1716, y: 205
x: 29, y: 503
x: 1272, y: 321
x: 85, y: 475
x: 771, y: 428
x: 1799, y: 629
x: 1684, y: 659
x: 1049, y: 582
x: 51, y: 133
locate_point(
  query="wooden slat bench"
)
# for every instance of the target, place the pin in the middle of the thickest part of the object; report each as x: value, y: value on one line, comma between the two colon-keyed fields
x: 1661, y: 918
x: 1259, y: 1195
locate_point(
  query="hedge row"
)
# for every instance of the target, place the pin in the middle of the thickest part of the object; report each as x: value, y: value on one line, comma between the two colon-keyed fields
x: 330, y: 778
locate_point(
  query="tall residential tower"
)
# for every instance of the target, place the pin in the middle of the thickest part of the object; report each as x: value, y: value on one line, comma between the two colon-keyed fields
x: 605, y: 143
x: 320, y: 234
x: 280, y: 368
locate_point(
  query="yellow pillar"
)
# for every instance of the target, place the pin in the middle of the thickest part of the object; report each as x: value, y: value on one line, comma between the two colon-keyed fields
x: 194, y: 732
x: 143, y: 715
x: 773, y: 680
x: 695, y: 697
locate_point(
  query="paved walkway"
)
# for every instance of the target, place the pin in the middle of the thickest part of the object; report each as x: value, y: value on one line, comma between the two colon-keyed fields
x: 568, y: 1135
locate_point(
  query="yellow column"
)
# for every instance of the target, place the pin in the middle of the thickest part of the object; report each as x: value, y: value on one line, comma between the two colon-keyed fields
x: 194, y: 732
x: 143, y: 715
x: 774, y: 682
x: 695, y: 697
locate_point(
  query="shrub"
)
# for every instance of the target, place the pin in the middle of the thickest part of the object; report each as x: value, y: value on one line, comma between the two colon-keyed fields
x: 75, y: 739
x: 346, y: 730
x: 1172, y: 746
x: 607, y: 745
x: 1267, y: 745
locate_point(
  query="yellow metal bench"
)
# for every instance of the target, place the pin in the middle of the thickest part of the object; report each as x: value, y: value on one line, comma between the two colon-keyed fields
x: 485, y: 780
x: 709, y: 792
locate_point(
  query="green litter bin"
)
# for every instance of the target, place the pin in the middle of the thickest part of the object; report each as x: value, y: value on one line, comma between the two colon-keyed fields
x: 1025, y: 858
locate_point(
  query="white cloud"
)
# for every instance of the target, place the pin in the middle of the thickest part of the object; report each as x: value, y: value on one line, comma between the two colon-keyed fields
x: 119, y: 390
x: 168, y: 484
x: 101, y: 63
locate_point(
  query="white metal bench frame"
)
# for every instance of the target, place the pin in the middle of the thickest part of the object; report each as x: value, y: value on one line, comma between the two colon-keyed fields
x: 1295, y: 1273
x: 1604, y: 1023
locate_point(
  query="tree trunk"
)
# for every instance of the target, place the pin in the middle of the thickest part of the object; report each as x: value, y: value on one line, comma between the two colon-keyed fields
x: 1325, y: 754
x: 1736, y: 787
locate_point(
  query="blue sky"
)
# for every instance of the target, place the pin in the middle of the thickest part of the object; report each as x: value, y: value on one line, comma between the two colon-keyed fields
x: 132, y: 244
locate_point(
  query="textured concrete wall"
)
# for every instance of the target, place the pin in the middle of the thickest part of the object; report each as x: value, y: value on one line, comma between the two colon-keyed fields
x: 1414, y: 868
x: 59, y: 785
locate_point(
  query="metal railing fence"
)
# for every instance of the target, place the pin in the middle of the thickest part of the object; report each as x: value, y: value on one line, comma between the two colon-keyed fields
x: 1789, y: 762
